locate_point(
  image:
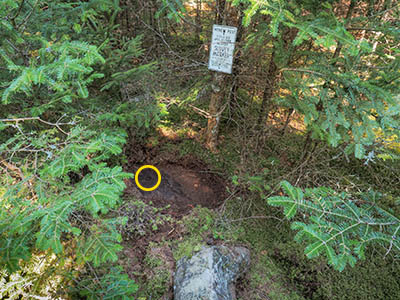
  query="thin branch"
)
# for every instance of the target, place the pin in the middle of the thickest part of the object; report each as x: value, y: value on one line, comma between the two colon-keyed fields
x: 161, y: 36
x: 200, y: 111
x: 364, y: 28
x: 17, y: 13
x: 379, y: 13
x: 256, y: 217
x: 304, y: 71
x: 40, y: 120
x: 27, y: 17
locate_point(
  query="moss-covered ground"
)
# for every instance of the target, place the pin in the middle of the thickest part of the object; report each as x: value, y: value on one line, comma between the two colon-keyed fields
x: 279, y: 269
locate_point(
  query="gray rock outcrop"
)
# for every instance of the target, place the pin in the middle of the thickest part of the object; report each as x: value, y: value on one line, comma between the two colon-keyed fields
x: 211, y: 273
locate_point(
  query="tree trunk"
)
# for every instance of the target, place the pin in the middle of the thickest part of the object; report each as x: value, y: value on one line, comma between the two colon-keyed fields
x: 220, y: 12
x: 238, y: 61
x: 268, y: 90
x: 198, y: 19
x: 218, y: 92
x: 215, y: 110
x: 290, y: 113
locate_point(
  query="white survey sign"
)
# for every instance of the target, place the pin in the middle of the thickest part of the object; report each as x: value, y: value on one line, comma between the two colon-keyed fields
x: 222, y: 47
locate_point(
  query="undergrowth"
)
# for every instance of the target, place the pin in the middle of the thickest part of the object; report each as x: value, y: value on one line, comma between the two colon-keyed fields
x: 280, y: 269
x: 271, y: 238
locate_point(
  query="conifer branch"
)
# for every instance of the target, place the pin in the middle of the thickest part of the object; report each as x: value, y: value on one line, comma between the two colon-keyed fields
x: 57, y: 124
x: 337, y: 226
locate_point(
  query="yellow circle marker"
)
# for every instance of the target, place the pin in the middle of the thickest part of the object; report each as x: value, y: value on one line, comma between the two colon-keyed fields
x: 158, y: 178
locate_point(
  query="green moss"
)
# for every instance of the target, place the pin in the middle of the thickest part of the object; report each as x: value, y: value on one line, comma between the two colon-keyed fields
x: 197, y: 226
x: 267, y: 281
x: 158, y: 276
x: 187, y: 247
x: 373, y: 278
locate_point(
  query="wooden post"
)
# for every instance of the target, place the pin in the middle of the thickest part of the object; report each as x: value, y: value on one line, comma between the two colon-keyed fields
x: 215, y: 110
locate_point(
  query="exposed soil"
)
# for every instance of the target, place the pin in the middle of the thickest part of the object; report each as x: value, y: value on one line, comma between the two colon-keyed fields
x: 184, y: 184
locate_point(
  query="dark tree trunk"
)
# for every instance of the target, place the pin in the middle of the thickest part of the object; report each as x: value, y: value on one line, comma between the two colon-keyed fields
x: 233, y: 103
x: 198, y: 19
x: 290, y: 113
x: 271, y: 76
x: 220, y: 12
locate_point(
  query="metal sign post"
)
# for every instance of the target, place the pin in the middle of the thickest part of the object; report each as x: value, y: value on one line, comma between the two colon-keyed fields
x: 222, y: 47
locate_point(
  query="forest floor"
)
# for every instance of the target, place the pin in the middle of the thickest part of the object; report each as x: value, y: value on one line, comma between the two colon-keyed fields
x: 198, y: 204
x: 211, y: 198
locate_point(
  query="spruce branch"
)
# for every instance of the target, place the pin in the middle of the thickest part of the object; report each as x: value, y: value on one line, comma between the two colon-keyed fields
x: 338, y: 225
x: 57, y: 124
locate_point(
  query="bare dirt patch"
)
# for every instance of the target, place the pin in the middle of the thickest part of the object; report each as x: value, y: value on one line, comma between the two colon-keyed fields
x: 185, y: 183
x: 182, y: 187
